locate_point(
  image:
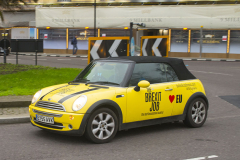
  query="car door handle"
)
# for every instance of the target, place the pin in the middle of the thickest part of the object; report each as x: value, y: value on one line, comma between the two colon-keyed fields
x: 169, y: 89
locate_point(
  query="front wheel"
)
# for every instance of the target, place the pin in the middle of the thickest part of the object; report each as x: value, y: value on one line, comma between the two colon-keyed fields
x: 196, y: 114
x: 102, y: 126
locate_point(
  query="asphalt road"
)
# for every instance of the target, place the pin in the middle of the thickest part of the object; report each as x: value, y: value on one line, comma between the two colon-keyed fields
x: 59, y: 62
x: 218, y: 139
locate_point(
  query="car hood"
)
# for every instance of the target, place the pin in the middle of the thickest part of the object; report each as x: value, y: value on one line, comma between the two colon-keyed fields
x: 66, y: 94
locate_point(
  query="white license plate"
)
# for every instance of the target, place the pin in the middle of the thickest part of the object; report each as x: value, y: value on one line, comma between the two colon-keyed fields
x: 44, y: 119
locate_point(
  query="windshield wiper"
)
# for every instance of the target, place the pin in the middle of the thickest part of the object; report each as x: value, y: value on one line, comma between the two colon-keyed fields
x: 71, y: 82
x: 104, y: 82
x: 74, y: 81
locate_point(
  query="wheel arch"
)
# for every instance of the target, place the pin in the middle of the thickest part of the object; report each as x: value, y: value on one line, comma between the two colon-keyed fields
x: 194, y: 96
x: 101, y: 104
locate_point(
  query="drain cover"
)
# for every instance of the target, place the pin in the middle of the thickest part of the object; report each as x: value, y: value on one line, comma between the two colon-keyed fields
x: 233, y: 99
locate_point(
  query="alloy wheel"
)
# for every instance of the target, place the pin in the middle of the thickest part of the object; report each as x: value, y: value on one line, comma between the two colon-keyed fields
x: 198, y: 112
x: 103, y: 126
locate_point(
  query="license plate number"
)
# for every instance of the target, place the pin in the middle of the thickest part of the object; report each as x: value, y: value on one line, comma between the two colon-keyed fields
x: 44, y: 119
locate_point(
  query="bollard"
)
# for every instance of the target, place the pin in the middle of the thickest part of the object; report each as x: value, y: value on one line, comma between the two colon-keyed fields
x: 4, y: 50
x: 17, y: 53
x: 36, y: 52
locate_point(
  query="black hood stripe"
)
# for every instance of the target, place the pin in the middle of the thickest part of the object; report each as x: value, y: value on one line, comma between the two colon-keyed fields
x: 75, y: 94
x: 52, y: 91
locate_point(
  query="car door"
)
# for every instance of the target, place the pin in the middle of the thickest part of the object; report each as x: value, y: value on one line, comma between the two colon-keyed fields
x: 182, y: 90
x: 153, y: 102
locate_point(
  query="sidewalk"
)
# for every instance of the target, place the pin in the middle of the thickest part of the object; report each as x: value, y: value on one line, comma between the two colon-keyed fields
x: 85, y: 56
x: 50, y: 54
x: 208, y: 59
x: 14, y: 109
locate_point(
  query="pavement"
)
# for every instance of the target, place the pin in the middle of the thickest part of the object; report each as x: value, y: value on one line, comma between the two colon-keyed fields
x: 52, y: 55
x: 85, y: 56
x: 14, y: 109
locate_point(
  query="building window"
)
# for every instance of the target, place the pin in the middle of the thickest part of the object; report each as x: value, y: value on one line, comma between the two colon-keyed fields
x: 114, y: 32
x: 179, y: 41
x: 195, y: 39
x: 53, y: 38
x: 214, y: 41
x: 234, y: 42
x: 82, y: 37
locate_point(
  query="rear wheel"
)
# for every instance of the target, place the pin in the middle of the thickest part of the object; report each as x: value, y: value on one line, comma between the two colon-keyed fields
x: 102, y: 126
x: 196, y: 114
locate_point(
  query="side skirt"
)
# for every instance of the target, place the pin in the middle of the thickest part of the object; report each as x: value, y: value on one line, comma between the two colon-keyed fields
x: 150, y: 122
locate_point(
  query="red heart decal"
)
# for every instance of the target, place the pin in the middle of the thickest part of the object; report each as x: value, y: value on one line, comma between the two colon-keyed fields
x: 171, y: 98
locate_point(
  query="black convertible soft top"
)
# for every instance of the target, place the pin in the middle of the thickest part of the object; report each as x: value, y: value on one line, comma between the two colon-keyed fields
x: 177, y: 64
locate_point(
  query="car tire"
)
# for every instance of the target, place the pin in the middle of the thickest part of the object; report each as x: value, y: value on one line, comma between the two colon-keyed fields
x: 102, y: 126
x: 196, y: 113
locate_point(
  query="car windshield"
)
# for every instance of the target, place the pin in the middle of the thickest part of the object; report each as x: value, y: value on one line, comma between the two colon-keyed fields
x: 100, y: 72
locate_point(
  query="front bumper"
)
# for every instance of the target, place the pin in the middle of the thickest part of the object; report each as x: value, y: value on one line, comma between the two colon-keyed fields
x: 63, y: 122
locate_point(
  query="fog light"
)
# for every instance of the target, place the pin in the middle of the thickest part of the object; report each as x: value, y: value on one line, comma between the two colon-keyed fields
x: 70, y: 126
x: 71, y: 117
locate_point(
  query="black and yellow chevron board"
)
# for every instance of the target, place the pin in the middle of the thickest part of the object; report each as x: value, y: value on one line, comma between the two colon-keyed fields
x: 103, y: 47
x: 154, y: 46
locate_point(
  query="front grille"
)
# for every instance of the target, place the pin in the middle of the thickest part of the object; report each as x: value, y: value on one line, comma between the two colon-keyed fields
x: 54, y: 126
x: 50, y: 105
x: 48, y: 114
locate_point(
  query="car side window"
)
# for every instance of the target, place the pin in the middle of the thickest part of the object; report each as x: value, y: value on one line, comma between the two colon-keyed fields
x: 171, y: 75
x: 152, y: 72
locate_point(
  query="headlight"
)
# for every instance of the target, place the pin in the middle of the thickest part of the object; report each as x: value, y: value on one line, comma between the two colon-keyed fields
x: 36, y: 96
x: 79, y: 103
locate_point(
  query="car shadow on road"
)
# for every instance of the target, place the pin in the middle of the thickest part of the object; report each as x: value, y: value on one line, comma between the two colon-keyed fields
x: 122, y: 135
x: 160, y: 128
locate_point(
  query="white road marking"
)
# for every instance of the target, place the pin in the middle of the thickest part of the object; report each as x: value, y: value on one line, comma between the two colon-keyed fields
x: 213, y: 156
x: 187, y: 59
x: 155, y: 47
x: 200, y: 158
x: 73, y: 56
x: 64, y: 59
x: 211, y: 73
x: 112, y: 50
x: 12, y: 59
x: 52, y: 55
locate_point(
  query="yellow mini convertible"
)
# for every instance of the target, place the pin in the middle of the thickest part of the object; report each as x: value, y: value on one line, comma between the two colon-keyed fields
x: 120, y: 93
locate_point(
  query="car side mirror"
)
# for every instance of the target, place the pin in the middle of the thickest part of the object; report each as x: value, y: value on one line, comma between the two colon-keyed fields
x: 142, y: 84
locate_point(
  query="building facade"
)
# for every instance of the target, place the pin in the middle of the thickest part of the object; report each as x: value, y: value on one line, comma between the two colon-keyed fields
x: 180, y: 20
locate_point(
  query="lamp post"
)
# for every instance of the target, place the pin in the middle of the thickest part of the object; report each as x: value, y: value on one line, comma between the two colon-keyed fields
x: 201, y: 40
x: 4, y: 47
x: 131, y: 27
x: 94, y: 18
